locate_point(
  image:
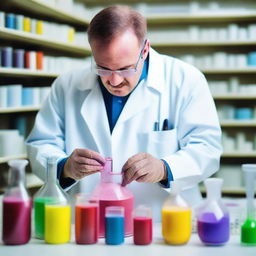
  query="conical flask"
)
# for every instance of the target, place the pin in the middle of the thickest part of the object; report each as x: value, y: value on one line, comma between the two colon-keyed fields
x: 248, y: 229
x: 16, y: 206
x: 109, y: 192
x: 176, y: 217
x: 49, y: 193
x: 213, y: 222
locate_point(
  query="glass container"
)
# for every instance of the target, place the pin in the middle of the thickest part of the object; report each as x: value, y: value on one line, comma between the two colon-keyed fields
x: 213, y: 221
x: 109, y: 192
x: 16, y: 206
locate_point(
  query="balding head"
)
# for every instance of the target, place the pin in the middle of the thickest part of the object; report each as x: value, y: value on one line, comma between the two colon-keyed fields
x: 114, y: 21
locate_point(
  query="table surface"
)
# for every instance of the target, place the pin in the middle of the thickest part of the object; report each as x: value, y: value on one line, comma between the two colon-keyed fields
x: 157, y: 248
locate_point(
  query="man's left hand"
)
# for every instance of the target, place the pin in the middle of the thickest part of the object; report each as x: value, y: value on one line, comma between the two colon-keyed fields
x: 143, y: 167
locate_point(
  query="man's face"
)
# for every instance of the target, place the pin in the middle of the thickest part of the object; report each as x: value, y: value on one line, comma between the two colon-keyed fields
x: 123, y: 52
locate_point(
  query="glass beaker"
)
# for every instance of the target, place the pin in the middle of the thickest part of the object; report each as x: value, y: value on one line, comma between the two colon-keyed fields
x: 86, y: 219
x: 248, y: 229
x: 142, y: 225
x: 213, y: 222
x: 109, y: 192
x: 176, y: 217
x: 16, y: 206
x: 50, y: 192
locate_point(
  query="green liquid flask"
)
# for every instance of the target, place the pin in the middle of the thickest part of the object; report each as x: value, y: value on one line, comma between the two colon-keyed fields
x: 248, y: 229
x: 49, y: 193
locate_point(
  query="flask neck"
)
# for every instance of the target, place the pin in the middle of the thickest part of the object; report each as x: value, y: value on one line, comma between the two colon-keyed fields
x: 51, y: 175
x: 16, y: 177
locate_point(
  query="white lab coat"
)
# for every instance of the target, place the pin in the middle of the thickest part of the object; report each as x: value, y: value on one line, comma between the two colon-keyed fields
x: 74, y: 116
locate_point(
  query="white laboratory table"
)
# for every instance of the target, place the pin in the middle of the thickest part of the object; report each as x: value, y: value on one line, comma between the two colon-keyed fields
x: 158, y: 248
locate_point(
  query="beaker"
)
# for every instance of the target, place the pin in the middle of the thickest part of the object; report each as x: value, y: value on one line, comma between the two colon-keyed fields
x: 213, y: 222
x: 50, y: 192
x: 248, y: 229
x: 176, y: 217
x: 16, y: 206
x: 109, y: 192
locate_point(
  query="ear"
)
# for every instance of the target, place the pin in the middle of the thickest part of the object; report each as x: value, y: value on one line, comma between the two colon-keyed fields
x: 146, y: 49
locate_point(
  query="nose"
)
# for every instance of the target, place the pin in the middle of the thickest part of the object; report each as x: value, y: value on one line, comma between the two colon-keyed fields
x: 115, y: 79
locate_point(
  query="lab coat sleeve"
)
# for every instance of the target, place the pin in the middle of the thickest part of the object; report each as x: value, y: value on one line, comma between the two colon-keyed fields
x: 47, y: 136
x: 198, y: 131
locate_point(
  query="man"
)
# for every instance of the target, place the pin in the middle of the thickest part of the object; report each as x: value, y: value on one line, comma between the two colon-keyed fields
x: 153, y: 114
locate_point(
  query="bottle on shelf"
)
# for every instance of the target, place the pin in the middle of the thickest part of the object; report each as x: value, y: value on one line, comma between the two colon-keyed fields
x: 17, y: 206
x: 109, y: 192
x: 176, y: 217
x: 47, y: 196
x: 248, y: 229
x: 213, y: 221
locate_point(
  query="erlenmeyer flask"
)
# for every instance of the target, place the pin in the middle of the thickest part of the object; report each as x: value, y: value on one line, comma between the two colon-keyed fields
x: 109, y: 192
x: 49, y: 193
x: 16, y: 206
x: 176, y: 217
x: 212, y: 216
x: 248, y: 229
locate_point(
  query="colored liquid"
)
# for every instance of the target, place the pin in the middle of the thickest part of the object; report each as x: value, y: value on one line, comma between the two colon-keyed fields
x: 176, y: 224
x: 213, y: 231
x: 128, y: 208
x: 248, y: 232
x: 142, y: 230
x: 86, y: 224
x: 39, y: 213
x: 16, y: 221
x: 114, y: 230
x: 57, y: 224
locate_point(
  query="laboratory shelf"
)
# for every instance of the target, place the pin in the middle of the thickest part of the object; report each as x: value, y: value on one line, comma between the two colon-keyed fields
x: 20, y: 72
x: 200, y: 17
x: 39, y: 40
x: 202, y: 43
x: 238, y: 123
x: 40, y: 7
x: 20, y: 109
x: 236, y: 154
x: 229, y: 71
x: 234, y: 97
x: 7, y: 158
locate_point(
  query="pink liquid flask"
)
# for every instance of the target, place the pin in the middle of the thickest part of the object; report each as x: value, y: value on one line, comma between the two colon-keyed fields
x: 16, y: 206
x: 109, y: 192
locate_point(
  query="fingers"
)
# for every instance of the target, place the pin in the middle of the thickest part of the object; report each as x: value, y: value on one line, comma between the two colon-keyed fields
x: 135, y: 171
x: 90, y: 154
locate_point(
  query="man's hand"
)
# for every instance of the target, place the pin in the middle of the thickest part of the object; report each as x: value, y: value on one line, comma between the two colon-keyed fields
x: 143, y: 167
x: 83, y: 162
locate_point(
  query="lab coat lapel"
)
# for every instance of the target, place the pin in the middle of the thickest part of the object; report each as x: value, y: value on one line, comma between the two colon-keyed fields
x: 94, y: 113
x: 147, y: 92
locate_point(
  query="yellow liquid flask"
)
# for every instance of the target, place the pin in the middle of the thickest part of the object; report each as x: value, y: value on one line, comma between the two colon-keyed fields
x: 176, y: 218
x: 51, y: 209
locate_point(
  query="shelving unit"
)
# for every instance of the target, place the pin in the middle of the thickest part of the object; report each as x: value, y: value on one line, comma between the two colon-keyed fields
x: 26, y: 73
x: 6, y: 159
x: 16, y: 110
x: 42, y: 8
x: 40, y: 41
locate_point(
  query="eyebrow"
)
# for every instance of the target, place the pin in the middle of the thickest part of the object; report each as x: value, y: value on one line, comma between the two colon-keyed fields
x: 125, y: 67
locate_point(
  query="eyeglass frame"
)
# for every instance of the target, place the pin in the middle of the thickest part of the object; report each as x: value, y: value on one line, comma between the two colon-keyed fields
x: 132, y: 71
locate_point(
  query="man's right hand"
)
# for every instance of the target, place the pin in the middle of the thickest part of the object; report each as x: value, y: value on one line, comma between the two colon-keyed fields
x: 83, y: 162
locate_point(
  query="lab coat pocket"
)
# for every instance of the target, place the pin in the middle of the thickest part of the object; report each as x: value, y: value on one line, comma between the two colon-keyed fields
x: 160, y: 143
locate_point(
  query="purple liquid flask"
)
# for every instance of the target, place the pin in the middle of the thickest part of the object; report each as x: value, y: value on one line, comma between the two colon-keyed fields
x: 213, y: 223
x: 109, y: 192
x: 16, y: 206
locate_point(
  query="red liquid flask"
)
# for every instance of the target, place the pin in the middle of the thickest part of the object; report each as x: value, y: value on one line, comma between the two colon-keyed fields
x: 142, y: 226
x: 16, y: 206
x: 109, y: 192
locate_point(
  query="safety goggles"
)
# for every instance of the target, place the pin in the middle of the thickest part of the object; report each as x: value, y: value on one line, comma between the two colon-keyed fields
x: 121, y: 72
